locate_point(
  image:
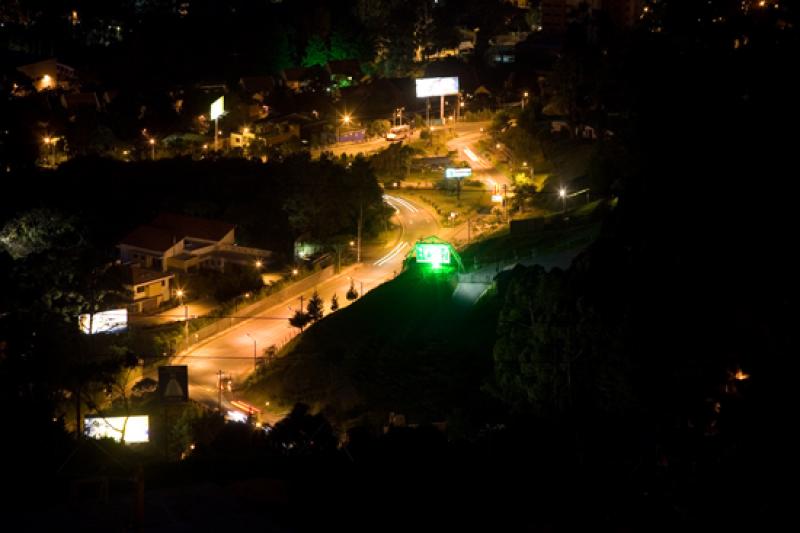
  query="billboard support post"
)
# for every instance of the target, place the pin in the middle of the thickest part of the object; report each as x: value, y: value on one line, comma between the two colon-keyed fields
x: 428, y: 112
x: 216, y: 134
x: 441, y: 109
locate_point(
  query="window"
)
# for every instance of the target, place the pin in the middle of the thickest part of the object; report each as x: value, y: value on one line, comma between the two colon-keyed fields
x: 162, y: 282
x: 140, y: 289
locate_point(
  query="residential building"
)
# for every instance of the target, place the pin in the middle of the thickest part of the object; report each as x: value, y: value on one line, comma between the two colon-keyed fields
x: 148, y: 288
x: 180, y: 242
x: 49, y: 74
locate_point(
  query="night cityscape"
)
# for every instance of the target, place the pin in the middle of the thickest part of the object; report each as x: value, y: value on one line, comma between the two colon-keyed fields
x: 397, y: 265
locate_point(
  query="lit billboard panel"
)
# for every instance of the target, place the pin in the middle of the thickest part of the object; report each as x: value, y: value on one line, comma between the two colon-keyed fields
x: 217, y: 107
x: 435, y: 254
x: 105, y: 322
x: 436, y: 87
x: 136, y: 430
x: 457, y: 172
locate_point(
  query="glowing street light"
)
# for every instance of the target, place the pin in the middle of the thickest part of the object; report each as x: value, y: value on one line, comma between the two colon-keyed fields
x: 152, y: 148
x: 258, y: 263
x: 562, y: 192
x: 295, y: 272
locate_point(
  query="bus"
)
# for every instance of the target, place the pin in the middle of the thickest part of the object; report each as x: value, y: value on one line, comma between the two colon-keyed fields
x: 398, y: 133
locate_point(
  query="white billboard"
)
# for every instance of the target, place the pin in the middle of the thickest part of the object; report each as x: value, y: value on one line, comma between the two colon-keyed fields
x: 436, y: 87
x: 105, y: 322
x: 461, y: 172
x: 217, y: 107
x: 135, y: 428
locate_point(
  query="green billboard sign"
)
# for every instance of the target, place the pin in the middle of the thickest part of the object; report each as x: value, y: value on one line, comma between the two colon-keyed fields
x: 435, y: 254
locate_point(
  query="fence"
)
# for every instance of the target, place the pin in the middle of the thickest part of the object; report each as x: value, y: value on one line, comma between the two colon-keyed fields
x: 246, y: 313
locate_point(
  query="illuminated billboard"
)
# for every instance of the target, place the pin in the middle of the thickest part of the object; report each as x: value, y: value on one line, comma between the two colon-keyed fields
x: 217, y: 107
x: 135, y: 429
x: 435, y: 254
x: 497, y: 198
x: 105, y: 322
x: 457, y: 172
x: 436, y: 87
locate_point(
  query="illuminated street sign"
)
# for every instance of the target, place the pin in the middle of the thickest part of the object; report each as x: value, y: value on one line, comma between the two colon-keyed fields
x: 457, y: 172
x: 217, y: 107
x: 435, y: 254
x: 436, y: 87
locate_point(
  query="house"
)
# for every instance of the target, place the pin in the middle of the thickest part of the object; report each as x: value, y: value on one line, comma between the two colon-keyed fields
x: 148, y: 288
x: 49, y: 74
x: 345, y: 72
x: 297, y: 79
x: 258, y: 88
x: 180, y: 242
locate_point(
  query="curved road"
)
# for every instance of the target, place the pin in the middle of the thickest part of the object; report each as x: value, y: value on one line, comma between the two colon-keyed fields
x: 232, y: 351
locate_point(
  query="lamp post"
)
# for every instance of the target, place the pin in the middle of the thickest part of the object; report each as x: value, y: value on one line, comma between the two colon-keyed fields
x: 345, y: 122
x: 180, y: 294
x: 152, y: 149
x: 255, y: 359
x: 524, y: 97
x: 562, y: 192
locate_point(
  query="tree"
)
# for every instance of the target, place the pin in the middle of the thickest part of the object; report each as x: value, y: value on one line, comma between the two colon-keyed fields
x: 300, y: 319
x: 315, y: 308
x: 334, y: 303
x: 316, y: 52
x: 378, y: 128
x: 352, y: 293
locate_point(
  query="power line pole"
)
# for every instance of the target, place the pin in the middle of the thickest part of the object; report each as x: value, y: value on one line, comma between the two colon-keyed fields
x: 360, y: 223
x: 219, y: 392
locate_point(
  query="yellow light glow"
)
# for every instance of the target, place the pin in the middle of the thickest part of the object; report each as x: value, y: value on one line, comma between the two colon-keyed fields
x: 741, y: 376
x: 179, y: 293
x: 562, y: 192
x: 258, y: 264
x: 152, y: 141
x: 294, y: 271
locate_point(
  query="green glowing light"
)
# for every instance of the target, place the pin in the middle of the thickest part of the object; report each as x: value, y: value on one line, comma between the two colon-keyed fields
x: 435, y: 254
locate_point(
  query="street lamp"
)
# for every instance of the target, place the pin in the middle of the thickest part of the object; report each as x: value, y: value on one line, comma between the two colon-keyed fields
x: 258, y: 263
x: 255, y: 359
x: 180, y: 294
x: 524, y: 97
x: 152, y: 148
x: 346, y: 122
x: 562, y: 192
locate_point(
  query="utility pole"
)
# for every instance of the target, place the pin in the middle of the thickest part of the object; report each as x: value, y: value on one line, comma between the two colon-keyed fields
x: 219, y: 391
x: 469, y: 220
x: 186, y: 323
x: 301, y: 303
x: 360, y: 223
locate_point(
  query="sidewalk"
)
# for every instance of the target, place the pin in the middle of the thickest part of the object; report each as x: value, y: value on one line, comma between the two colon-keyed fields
x: 293, y: 293
x: 178, y: 313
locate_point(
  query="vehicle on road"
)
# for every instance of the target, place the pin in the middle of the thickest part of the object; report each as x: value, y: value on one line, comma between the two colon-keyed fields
x: 398, y: 133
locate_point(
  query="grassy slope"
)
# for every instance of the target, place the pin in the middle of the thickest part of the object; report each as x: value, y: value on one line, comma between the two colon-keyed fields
x: 404, y: 348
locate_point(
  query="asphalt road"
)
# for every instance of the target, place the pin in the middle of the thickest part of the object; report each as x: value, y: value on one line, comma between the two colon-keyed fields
x: 232, y: 351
